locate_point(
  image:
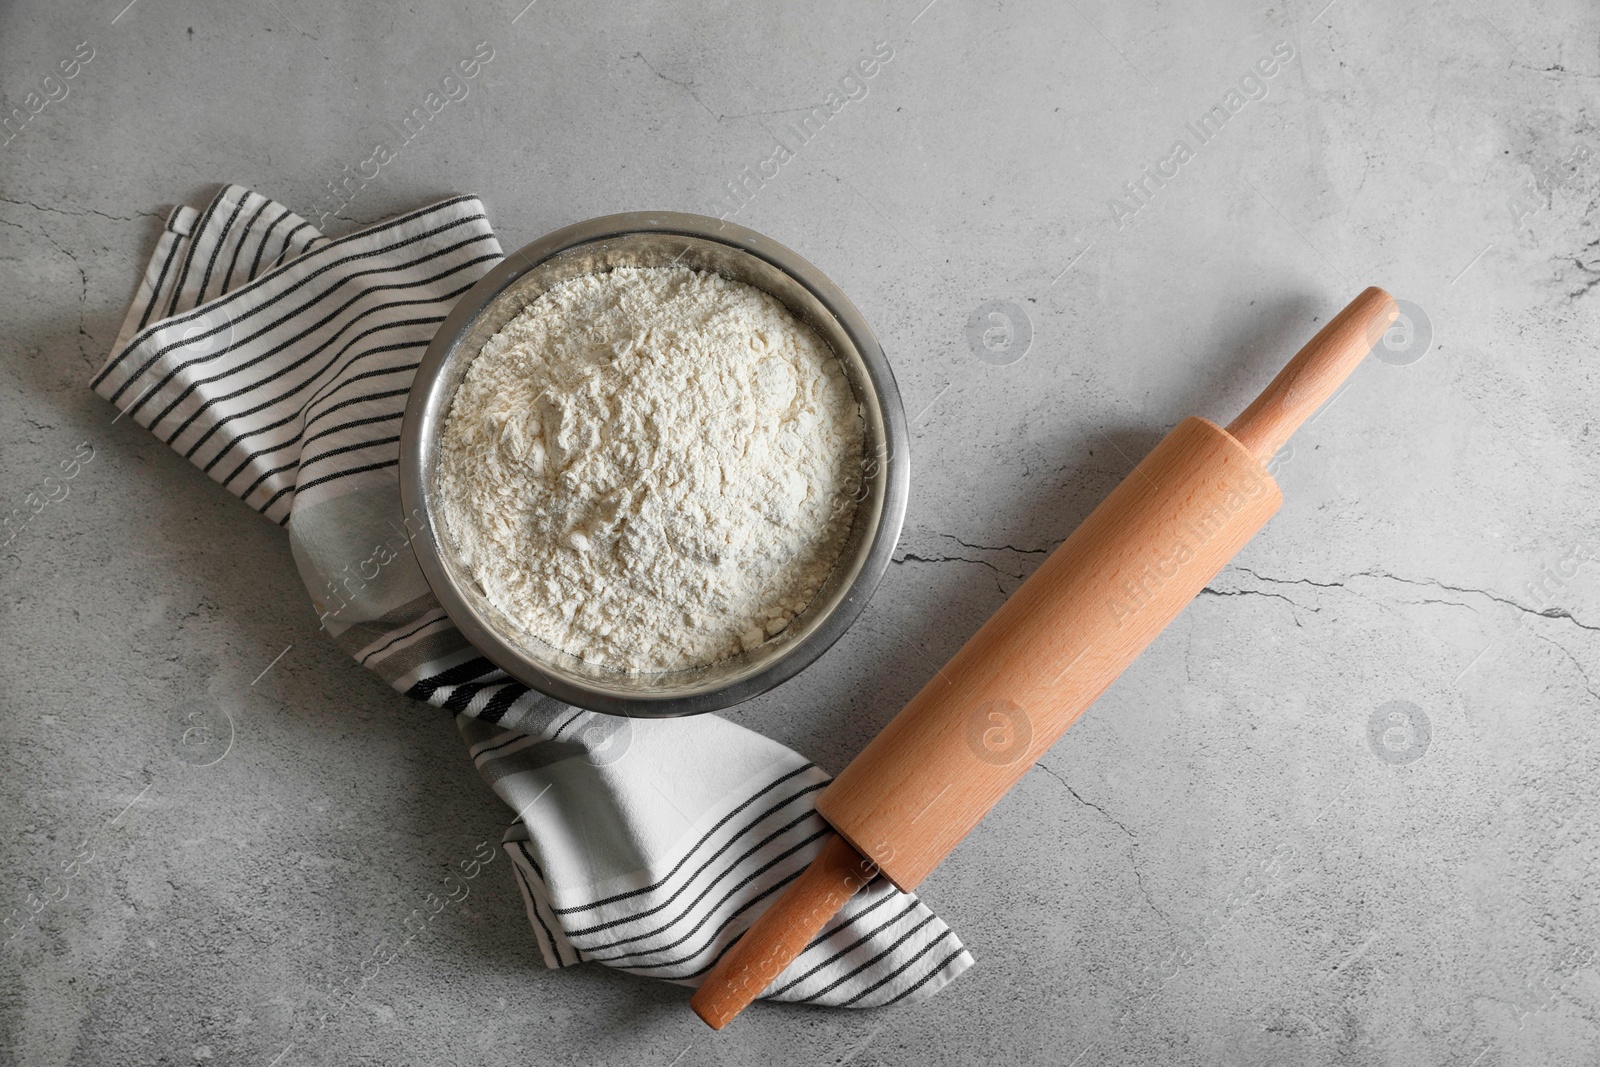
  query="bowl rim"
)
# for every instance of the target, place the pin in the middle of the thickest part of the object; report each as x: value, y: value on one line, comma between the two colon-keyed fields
x: 425, y: 409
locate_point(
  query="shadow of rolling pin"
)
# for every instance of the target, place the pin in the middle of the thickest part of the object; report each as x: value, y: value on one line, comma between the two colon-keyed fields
x: 1027, y: 675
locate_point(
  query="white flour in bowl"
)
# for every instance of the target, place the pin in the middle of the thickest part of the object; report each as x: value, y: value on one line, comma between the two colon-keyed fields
x: 651, y: 468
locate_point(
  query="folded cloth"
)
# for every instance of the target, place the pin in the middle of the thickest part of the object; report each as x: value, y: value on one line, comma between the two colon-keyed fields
x: 278, y: 362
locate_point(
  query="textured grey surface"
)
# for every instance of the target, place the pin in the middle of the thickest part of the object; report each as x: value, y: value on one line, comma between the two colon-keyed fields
x: 1228, y: 861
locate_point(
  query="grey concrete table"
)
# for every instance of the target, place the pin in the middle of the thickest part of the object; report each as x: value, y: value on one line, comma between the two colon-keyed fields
x: 1343, y: 811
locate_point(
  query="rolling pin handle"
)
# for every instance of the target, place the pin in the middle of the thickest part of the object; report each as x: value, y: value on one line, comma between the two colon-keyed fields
x: 782, y: 932
x: 1314, y: 374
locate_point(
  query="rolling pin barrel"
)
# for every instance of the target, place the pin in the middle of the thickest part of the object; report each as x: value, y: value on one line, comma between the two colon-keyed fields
x: 1065, y: 635
x: 983, y: 720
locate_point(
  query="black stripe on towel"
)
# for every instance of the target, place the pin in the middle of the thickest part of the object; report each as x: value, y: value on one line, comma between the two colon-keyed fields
x: 249, y: 228
x: 337, y: 381
x: 533, y: 899
x: 161, y: 280
x: 275, y: 298
x: 179, y: 368
x: 401, y: 637
x: 857, y: 943
x: 222, y: 240
x: 925, y: 979
x: 273, y: 376
x: 897, y: 943
x: 331, y: 383
x: 256, y: 282
x: 462, y: 695
x: 726, y: 845
x: 904, y: 967
x: 476, y: 667
x: 196, y: 235
x: 325, y: 412
x: 690, y: 854
x: 726, y: 897
x: 255, y: 264
x: 501, y: 702
x: 302, y: 487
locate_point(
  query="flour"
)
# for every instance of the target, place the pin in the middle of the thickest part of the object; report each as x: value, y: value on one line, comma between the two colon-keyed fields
x: 651, y: 468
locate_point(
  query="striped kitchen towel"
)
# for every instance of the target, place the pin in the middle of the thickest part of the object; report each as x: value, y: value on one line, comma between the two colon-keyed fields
x: 278, y: 361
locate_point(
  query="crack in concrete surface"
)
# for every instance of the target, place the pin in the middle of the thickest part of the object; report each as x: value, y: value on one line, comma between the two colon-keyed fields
x: 1338, y: 583
x: 135, y: 217
x: 1133, y: 862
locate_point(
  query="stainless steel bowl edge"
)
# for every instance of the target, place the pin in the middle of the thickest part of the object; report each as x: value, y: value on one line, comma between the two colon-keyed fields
x: 885, y: 466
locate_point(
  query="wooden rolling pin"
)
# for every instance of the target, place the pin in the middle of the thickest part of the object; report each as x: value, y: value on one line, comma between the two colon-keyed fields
x: 1031, y: 670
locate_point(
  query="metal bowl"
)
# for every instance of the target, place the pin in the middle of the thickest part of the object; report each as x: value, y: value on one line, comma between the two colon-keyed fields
x: 654, y: 239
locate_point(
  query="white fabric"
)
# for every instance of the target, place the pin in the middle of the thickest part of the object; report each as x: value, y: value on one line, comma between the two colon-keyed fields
x: 278, y: 361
